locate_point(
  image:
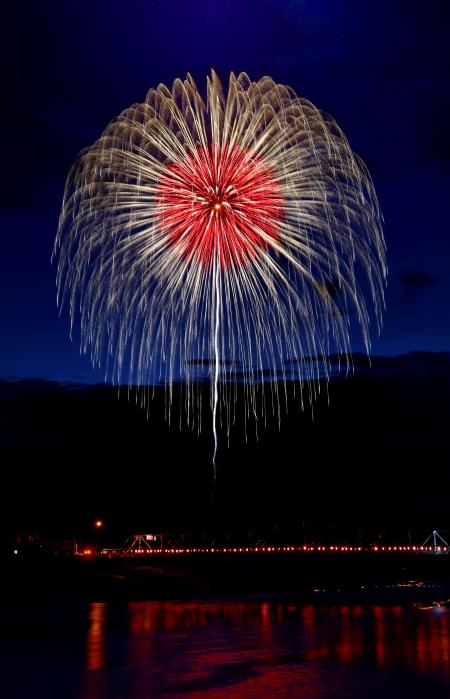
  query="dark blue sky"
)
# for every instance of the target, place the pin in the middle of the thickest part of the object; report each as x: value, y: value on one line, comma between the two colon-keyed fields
x: 379, y: 67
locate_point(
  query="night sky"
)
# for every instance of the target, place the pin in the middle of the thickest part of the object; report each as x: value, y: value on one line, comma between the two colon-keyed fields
x: 71, y: 454
x: 380, y: 68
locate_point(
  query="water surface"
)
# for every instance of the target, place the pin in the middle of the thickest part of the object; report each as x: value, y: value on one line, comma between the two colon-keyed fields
x: 232, y: 649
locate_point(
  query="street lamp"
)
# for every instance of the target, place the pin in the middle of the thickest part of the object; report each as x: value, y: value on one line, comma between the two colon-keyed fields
x: 98, y: 524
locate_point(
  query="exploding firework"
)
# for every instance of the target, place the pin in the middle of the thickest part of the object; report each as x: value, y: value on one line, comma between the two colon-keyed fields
x: 240, y: 233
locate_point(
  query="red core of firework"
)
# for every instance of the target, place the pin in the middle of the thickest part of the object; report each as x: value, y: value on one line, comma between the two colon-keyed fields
x: 220, y: 203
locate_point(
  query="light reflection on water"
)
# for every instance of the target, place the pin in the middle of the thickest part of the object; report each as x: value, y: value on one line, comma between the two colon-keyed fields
x: 230, y: 649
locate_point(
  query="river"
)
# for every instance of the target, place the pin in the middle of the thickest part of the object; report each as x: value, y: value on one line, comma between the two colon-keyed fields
x: 239, y: 649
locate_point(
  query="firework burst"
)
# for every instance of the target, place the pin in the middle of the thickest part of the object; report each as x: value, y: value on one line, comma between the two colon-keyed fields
x: 240, y: 231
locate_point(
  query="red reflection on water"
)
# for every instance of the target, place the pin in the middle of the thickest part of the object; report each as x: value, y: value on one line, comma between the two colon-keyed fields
x: 308, y: 618
x: 380, y: 633
x: 166, y: 616
x: 243, y: 649
x: 334, y: 634
x: 266, y: 621
x: 142, y: 625
x: 432, y: 647
x: 95, y: 642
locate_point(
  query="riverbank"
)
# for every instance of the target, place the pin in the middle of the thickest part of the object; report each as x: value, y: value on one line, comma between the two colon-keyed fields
x: 362, y: 577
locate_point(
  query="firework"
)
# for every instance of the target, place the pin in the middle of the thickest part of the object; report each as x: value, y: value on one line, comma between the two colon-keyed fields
x: 238, y: 233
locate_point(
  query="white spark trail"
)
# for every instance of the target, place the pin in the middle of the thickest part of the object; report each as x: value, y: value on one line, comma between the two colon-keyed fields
x: 216, y: 271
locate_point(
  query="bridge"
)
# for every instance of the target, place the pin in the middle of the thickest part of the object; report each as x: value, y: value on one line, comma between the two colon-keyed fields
x: 147, y: 545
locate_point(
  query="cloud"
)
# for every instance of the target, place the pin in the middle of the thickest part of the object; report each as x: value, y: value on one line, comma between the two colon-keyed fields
x: 210, y: 361
x: 415, y: 280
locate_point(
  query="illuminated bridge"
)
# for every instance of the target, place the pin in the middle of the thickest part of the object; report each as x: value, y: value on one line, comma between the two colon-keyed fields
x: 146, y: 545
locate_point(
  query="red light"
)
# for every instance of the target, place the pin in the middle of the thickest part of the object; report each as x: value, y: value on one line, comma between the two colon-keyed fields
x: 238, y: 228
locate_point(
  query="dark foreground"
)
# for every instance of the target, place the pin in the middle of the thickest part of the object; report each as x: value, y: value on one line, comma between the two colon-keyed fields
x: 371, y: 459
x: 244, y: 649
x: 355, y: 577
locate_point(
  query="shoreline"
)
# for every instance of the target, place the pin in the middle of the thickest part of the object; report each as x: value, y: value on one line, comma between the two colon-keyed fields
x: 366, y: 579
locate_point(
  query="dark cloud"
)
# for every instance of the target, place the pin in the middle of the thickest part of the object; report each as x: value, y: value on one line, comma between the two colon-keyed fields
x: 398, y: 49
x: 416, y: 280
